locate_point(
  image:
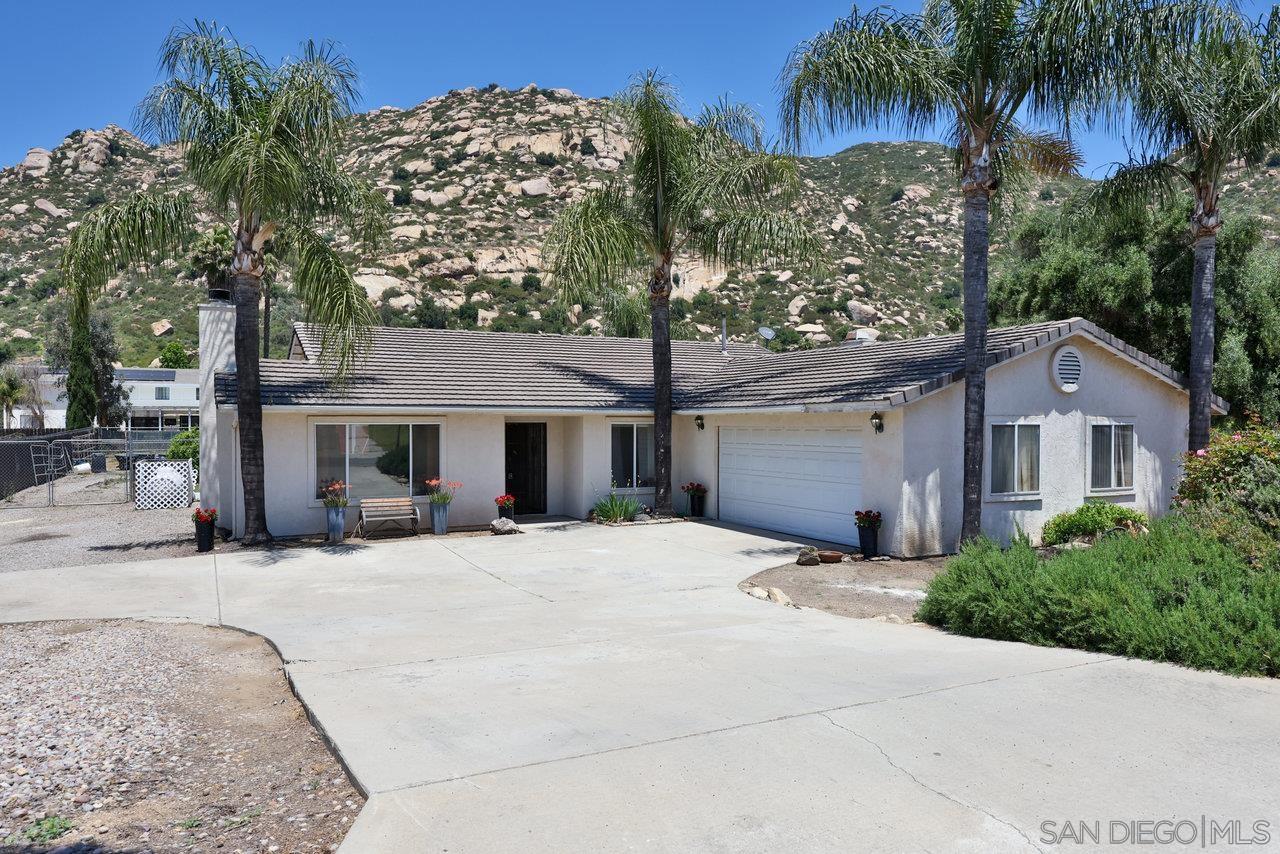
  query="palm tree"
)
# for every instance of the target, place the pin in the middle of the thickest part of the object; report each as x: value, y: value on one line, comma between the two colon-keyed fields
x: 977, y: 70
x: 13, y: 392
x: 1202, y: 112
x: 707, y: 188
x: 260, y: 142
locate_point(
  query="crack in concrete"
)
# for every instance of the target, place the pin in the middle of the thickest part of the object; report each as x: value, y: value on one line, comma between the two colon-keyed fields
x: 492, y: 575
x: 922, y: 784
x: 734, y: 727
x: 217, y: 588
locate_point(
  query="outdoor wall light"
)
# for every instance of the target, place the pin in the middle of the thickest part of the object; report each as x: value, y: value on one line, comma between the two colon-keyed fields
x: 877, y: 422
x: 700, y: 422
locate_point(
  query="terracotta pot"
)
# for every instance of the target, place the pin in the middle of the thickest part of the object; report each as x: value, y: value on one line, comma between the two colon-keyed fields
x: 830, y: 556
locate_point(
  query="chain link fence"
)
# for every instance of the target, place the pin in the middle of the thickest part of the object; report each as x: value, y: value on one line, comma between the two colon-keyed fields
x: 76, y: 467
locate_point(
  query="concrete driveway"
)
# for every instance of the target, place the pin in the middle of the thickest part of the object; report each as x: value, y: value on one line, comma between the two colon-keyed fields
x: 589, y: 689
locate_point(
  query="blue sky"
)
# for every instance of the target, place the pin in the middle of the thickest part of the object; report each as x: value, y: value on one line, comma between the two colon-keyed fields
x: 84, y: 64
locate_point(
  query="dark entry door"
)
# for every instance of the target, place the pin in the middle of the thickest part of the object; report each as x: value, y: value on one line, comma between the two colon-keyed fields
x: 527, y: 466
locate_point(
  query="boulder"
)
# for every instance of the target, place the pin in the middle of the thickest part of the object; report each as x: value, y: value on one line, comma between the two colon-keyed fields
x: 20, y: 333
x: 375, y: 283
x: 808, y: 557
x: 403, y: 302
x: 806, y: 328
x: 797, y: 305
x: 776, y: 595
x: 406, y: 232
x: 51, y: 209
x: 862, y: 313
x: 36, y: 164
x: 758, y: 592
x: 503, y: 526
x: 161, y: 327
x: 535, y: 187
x: 19, y: 209
x: 420, y: 197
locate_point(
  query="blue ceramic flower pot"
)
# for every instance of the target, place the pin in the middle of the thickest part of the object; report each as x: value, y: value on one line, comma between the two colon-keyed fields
x: 337, y: 523
x: 439, y: 518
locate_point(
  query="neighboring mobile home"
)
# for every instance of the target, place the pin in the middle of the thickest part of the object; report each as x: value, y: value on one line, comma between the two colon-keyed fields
x: 790, y: 442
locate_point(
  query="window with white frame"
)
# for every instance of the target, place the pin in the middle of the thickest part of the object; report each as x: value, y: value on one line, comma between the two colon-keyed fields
x: 1015, y: 459
x: 162, y: 392
x: 1111, y: 456
x: 377, y: 460
x: 632, y: 464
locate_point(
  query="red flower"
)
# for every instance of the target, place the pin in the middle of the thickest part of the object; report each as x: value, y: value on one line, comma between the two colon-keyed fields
x: 506, y: 499
x: 202, y: 515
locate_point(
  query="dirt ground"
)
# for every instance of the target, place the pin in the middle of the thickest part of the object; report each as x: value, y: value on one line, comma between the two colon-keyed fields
x: 149, y: 737
x: 864, y: 588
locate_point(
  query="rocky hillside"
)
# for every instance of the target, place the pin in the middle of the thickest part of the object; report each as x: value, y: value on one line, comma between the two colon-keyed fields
x: 475, y: 177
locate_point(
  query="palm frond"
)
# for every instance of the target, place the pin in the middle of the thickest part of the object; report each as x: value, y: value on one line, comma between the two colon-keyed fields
x: 594, y: 244
x: 874, y: 69
x: 735, y: 121
x: 626, y: 312
x: 332, y: 300
x: 755, y: 236
x: 1138, y: 184
x: 122, y: 234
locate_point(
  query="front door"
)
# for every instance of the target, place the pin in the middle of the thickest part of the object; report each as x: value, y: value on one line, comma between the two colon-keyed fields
x: 527, y: 466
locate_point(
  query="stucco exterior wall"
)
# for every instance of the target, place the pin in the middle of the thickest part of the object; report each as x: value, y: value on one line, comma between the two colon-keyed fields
x: 1110, y: 388
x: 696, y: 457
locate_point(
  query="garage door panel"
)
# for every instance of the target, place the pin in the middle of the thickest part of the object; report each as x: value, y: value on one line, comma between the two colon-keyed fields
x: 800, y: 481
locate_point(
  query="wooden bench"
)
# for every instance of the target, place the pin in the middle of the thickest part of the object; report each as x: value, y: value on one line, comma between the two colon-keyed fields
x: 377, y: 511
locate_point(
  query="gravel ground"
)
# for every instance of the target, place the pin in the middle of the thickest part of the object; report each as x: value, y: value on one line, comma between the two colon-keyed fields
x: 886, y: 589
x: 36, y: 538
x: 159, y: 737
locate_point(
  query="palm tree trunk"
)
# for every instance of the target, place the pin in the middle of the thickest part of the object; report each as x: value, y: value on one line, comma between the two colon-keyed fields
x: 1202, y: 321
x: 660, y: 318
x: 247, y: 291
x: 977, y: 205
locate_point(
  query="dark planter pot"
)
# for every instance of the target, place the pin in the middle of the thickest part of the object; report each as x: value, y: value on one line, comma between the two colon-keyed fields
x: 697, y: 504
x: 204, y: 536
x: 507, y: 512
x: 97, y: 463
x: 868, y: 541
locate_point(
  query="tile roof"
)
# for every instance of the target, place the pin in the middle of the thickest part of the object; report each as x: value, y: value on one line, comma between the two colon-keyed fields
x: 455, y: 368
x: 461, y: 368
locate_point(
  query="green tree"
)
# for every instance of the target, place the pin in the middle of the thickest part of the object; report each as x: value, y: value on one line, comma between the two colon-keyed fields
x: 976, y: 71
x: 13, y: 392
x: 174, y: 355
x: 82, y: 397
x: 1202, y: 110
x: 708, y: 188
x: 260, y: 142
x: 1126, y: 269
x: 109, y: 402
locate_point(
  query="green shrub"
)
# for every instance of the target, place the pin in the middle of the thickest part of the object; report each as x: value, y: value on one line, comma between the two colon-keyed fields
x: 46, y: 829
x: 469, y: 314
x: 400, y: 173
x: 174, y: 355
x: 1175, y: 594
x: 401, y: 196
x: 587, y: 148
x: 616, y: 508
x: 531, y: 283
x: 546, y: 158
x: 1094, y: 518
x: 186, y: 446
x: 1231, y: 490
x: 95, y: 198
x: 703, y: 300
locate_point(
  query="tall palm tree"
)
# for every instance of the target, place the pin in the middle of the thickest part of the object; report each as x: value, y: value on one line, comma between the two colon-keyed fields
x: 13, y: 393
x: 1202, y: 112
x: 978, y: 69
x: 709, y: 189
x: 260, y: 142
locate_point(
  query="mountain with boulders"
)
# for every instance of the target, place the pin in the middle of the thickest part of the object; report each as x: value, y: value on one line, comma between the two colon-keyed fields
x: 474, y: 178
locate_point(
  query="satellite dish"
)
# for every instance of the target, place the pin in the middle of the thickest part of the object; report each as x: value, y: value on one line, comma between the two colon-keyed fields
x: 766, y: 333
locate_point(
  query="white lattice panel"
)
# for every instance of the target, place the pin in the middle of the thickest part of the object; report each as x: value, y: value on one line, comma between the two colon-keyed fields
x: 163, y: 484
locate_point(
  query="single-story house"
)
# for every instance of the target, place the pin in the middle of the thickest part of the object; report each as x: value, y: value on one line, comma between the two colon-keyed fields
x: 790, y: 442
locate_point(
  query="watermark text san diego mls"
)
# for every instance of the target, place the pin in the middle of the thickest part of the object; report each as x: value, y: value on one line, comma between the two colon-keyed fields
x: 1199, y: 832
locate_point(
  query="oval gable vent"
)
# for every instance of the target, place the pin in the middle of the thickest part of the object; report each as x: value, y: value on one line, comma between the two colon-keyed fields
x: 1067, y: 368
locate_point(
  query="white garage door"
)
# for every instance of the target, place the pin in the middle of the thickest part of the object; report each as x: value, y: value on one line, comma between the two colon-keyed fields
x: 802, y: 481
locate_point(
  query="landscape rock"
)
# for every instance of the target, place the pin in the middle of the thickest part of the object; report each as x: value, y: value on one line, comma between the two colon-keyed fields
x: 758, y: 592
x: 51, y: 209
x: 161, y: 327
x: 503, y: 526
x: 776, y: 595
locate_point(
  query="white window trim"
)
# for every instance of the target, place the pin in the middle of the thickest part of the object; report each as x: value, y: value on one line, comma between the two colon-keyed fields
x: 1095, y: 421
x: 313, y: 423
x: 987, y: 494
x: 629, y: 490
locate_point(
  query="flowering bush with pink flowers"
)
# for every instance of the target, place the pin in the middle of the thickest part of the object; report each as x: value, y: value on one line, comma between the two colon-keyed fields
x: 1231, y: 490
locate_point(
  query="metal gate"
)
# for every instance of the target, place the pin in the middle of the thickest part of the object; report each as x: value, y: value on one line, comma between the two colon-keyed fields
x: 79, y: 470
